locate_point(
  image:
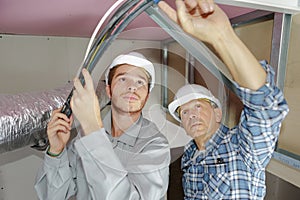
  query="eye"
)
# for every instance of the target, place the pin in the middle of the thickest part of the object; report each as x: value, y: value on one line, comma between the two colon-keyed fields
x: 141, y: 82
x: 122, y: 79
x: 198, y: 106
x: 184, y: 112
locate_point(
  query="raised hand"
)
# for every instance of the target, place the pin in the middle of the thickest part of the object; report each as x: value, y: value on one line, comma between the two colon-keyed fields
x: 202, y: 19
x: 85, y: 104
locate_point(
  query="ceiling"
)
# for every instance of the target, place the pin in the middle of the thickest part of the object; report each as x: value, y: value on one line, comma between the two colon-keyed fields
x: 75, y: 18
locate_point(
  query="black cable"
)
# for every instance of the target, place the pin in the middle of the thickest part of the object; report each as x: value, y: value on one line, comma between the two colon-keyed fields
x: 120, y: 13
x: 124, y: 24
x: 104, y: 44
x: 118, y: 17
x: 106, y: 31
x: 115, y: 19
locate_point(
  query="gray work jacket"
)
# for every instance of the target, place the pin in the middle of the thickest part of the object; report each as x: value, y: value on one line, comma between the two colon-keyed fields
x: 98, y: 166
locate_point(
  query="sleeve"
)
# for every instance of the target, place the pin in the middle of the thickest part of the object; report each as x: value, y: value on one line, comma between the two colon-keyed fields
x: 108, y: 179
x: 260, y: 122
x: 54, y: 180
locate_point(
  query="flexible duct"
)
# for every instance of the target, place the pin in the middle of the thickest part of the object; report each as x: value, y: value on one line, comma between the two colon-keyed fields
x: 24, y: 117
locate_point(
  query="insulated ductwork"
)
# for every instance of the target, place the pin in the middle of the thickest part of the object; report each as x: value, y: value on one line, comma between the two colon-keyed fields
x: 24, y: 117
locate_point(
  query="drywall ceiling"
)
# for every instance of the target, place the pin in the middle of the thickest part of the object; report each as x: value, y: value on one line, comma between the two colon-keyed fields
x: 75, y: 18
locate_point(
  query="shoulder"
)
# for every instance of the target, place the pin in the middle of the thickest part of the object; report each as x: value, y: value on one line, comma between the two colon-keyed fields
x: 150, y: 130
x: 151, y: 139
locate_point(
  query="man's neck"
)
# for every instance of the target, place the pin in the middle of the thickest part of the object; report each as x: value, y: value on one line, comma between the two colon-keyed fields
x: 122, y: 121
x: 202, y: 139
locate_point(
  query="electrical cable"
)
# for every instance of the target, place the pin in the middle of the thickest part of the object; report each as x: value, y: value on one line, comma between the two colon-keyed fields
x: 103, y: 41
x: 118, y: 23
x: 66, y: 109
x: 100, y: 24
x: 120, y: 28
x: 116, y: 15
x: 111, y: 28
x: 115, y: 19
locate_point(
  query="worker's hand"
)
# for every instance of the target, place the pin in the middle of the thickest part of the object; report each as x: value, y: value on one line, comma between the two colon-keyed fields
x: 202, y: 19
x: 85, y: 104
x: 58, y: 131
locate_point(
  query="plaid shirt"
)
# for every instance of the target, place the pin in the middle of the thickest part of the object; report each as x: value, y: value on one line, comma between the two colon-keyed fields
x: 233, y: 164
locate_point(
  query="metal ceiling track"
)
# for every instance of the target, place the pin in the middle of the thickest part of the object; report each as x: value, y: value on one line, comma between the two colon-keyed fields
x: 282, y: 16
x: 196, y: 48
x: 209, y: 60
x: 280, y: 6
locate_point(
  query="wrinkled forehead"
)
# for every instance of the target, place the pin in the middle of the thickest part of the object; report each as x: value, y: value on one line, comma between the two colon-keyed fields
x: 195, y: 101
x: 192, y: 103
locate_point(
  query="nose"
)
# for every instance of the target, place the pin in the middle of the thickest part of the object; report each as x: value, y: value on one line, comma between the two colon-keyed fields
x: 193, y: 114
x: 132, y: 87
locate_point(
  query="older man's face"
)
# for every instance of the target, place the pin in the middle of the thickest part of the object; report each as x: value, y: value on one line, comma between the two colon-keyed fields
x: 199, y: 118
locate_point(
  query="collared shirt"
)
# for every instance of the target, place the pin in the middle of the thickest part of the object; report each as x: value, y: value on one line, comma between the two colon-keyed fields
x: 99, y: 166
x: 234, y: 161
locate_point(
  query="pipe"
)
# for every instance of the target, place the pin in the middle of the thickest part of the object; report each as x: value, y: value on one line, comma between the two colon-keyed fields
x: 24, y: 117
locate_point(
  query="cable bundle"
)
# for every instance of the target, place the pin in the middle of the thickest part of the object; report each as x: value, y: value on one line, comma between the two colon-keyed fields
x: 118, y: 22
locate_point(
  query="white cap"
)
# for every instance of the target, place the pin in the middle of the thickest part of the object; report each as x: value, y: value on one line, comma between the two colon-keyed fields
x: 187, y: 93
x: 134, y: 59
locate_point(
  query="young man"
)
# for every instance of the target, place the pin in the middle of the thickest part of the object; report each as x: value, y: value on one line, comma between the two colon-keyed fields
x: 123, y: 156
x: 223, y: 163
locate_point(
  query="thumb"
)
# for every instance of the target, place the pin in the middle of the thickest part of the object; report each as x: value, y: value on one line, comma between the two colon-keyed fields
x: 168, y: 10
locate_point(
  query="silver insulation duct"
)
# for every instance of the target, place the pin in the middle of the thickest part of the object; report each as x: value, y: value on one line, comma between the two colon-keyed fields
x: 24, y: 117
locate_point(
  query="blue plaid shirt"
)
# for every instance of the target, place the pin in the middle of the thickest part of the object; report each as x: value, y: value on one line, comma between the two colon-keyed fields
x: 233, y: 164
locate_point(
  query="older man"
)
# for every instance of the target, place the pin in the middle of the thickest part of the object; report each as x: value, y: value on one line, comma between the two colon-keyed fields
x: 223, y: 163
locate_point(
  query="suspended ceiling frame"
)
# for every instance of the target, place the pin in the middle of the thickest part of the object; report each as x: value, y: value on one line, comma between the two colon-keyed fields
x: 280, y: 6
x: 282, y: 12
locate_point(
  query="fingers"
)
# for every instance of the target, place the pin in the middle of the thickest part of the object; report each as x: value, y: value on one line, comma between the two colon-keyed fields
x: 182, y: 11
x: 59, y: 122
x: 168, y: 10
x: 88, y: 82
x: 56, y: 114
x: 206, y: 6
x: 191, y: 4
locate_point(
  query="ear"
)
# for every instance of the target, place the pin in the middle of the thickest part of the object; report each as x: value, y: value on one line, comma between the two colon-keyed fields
x: 108, y: 91
x: 218, y: 114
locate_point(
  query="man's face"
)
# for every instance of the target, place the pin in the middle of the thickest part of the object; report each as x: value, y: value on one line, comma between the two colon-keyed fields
x: 129, y: 89
x: 199, y: 118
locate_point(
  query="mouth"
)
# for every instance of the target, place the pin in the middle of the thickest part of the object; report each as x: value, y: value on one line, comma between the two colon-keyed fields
x: 131, y: 97
x: 195, y: 124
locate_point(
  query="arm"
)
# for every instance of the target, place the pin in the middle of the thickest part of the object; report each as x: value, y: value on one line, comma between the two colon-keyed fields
x: 107, y: 178
x: 207, y: 22
x: 265, y: 106
x: 260, y: 121
x: 54, y: 180
x: 145, y: 176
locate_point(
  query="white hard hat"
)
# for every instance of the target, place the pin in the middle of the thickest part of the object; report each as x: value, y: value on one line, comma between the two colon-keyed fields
x: 187, y: 93
x: 134, y: 59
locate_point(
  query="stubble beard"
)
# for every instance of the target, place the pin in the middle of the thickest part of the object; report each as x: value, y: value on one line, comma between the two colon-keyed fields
x: 130, y: 109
